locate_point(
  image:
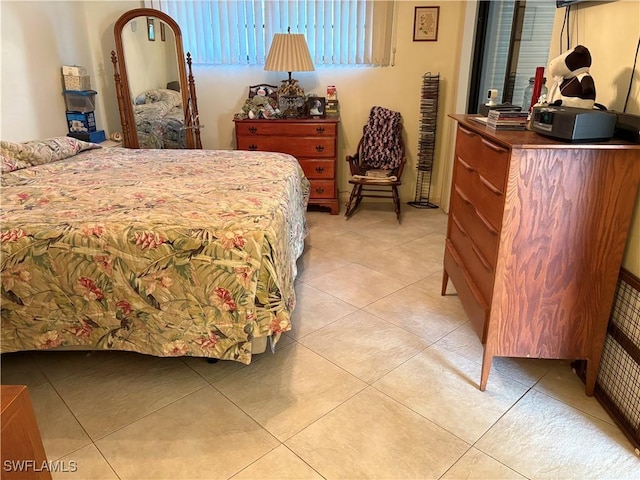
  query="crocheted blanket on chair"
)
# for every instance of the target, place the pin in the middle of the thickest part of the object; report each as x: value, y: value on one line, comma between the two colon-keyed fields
x: 381, y: 143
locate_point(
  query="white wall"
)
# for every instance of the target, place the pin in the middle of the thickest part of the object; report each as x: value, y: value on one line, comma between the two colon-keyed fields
x: 100, y: 18
x: 610, y: 31
x: 33, y: 50
x: 37, y: 38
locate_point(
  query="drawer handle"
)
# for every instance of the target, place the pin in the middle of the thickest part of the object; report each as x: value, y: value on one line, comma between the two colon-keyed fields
x: 319, y: 190
x: 462, y: 230
x: 464, y: 198
x: 319, y: 169
x: 253, y: 130
x: 483, y: 261
x: 466, y: 165
x: 486, y: 223
x: 494, y: 147
x: 489, y: 185
x: 319, y: 148
x: 467, y: 132
x: 320, y: 130
x: 253, y: 147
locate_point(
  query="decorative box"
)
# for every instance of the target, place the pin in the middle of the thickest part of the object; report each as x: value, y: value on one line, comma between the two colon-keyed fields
x: 81, y: 122
x: 77, y: 82
x: 76, y: 70
x: 80, y: 100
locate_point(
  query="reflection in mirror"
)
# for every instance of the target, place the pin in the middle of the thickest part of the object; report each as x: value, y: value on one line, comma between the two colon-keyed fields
x: 152, y: 67
x: 157, y: 103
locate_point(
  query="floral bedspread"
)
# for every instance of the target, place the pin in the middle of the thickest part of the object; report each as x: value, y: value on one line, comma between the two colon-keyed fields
x: 160, y: 120
x: 158, y: 127
x: 174, y: 133
x: 162, y: 252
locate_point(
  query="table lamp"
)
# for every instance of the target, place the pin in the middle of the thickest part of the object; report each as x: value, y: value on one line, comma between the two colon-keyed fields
x: 289, y: 53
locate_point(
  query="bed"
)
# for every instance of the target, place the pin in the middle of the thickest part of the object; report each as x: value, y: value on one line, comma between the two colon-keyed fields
x: 161, y: 252
x: 159, y: 119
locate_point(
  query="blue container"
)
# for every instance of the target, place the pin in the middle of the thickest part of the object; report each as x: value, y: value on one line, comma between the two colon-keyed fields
x: 80, y: 100
x: 93, y: 137
x: 79, y: 122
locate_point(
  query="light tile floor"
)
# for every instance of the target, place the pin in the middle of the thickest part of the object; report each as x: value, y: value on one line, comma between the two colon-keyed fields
x: 377, y: 379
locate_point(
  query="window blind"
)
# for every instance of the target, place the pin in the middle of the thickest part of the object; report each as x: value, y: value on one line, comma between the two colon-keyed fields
x: 235, y: 32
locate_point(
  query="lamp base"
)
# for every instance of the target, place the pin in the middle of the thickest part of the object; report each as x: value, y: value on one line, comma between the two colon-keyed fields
x: 290, y: 88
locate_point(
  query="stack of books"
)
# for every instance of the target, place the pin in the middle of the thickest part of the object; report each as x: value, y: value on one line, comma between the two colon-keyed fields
x: 505, y: 120
x: 332, y: 108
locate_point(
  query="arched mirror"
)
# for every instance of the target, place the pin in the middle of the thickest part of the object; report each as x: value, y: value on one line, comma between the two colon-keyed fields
x: 154, y: 84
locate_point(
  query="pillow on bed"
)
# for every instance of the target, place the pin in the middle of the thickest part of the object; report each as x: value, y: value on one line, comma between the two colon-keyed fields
x: 171, y: 97
x: 38, y: 152
x: 10, y: 162
x: 140, y: 99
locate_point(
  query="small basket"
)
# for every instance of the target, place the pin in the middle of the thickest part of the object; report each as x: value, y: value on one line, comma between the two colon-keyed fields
x: 73, y: 70
x: 77, y: 82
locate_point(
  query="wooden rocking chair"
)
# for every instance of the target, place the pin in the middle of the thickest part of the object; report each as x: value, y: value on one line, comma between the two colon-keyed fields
x: 376, y: 168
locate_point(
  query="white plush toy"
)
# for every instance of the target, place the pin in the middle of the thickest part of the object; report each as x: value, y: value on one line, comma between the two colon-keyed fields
x: 573, y: 86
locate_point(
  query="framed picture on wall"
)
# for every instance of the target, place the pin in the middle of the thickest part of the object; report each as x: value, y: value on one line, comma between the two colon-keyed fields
x: 151, y: 29
x: 425, y: 24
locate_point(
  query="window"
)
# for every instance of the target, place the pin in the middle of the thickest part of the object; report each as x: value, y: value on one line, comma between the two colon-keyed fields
x: 236, y: 32
x: 512, y: 39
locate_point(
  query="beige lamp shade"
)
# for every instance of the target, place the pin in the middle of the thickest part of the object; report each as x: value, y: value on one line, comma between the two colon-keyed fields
x: 289, y: 53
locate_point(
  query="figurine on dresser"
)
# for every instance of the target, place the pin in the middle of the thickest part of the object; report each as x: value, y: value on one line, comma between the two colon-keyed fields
x: 573, y: 86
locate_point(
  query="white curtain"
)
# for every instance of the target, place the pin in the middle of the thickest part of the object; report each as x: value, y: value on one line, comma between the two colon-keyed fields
x: 338, y: 32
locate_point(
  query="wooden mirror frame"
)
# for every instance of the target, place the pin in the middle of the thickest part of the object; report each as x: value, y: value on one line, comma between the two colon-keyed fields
x: 123, y: 92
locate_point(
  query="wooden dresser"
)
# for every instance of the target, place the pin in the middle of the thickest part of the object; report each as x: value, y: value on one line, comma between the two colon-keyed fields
x: 314, y: 142
x: 23, y: 455
x: 536, y: 234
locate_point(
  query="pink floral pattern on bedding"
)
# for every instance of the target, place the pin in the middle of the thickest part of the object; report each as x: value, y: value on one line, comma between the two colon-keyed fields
x: 162, y: 252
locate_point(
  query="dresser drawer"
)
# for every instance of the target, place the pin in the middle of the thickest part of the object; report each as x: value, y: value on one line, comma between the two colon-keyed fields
x: 488, y: 160
x: 322, y: 188
x: 479, y: 268
x: 312, y: 141
x: 296, y: 146
x: 275, y: 127
x: 487, y: 201
x: 484, y: 235
x: 475, y: 307
x: 324, y: 169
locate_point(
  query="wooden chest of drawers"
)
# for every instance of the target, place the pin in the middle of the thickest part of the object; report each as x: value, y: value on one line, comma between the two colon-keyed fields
x: 23, y: 454
x: 312, y: 141
x: 536, y: 235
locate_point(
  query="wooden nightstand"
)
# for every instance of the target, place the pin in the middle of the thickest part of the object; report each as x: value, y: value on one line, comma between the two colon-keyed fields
x: 22, y: 452
x: 312, y: 141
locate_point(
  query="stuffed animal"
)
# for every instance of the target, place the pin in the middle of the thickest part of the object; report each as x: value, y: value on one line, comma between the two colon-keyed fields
x: 573, y: 86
